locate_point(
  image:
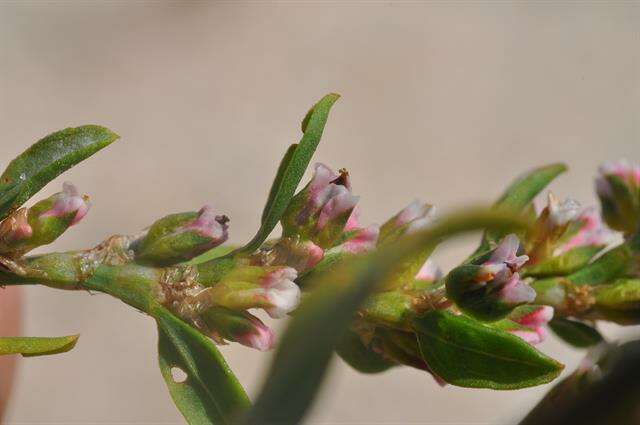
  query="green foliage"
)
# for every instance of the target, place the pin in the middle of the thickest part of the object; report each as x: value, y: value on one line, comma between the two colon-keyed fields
x: 291, y: 170
x: 575, y: 333
x: 37, y: 346
x: 518, y: 196
x: 467, y: 353
x: 322, y: 320
x: 210, y: 394
x: 47, y: 159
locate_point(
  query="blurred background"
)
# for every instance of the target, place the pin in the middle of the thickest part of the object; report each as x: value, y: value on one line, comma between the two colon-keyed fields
x: 445, y: 102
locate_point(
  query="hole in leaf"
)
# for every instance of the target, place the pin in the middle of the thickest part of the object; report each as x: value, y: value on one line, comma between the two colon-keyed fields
x: 178, y: 375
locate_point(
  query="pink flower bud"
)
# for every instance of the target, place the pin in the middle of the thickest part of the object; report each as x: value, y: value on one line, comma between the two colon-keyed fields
x: 417, y: 215
x: 363, y: 240
x: 210, y: 225
x: 535, y: 322
x: 15, y: 227
x: 68, y: 201
x: 339, y: 201
x: 429, y: 272
x: 259, y: 336
x: 281, y: 291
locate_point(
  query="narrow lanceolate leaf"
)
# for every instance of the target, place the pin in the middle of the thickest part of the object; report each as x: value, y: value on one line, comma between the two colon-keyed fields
x: 575, y: 333
x: 519, y: 195
x: 47, y: 159
x: 37, y: 346
x: 291, y: 170
x: 323, y: 318
x: 210, y: 394
x: 467, y: 353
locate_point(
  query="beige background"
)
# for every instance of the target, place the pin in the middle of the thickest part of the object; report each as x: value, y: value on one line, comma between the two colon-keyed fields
x: 441, y: 101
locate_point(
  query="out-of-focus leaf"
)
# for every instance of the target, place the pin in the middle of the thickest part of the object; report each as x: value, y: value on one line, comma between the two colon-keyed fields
x: 360, y: 357
x: 575, y: 333
x: 47, y: 159
x: 291, y: 170
x: 594, y: 395
x: 321, y: 321
x: 518, y: 196
x: 37, y: 346
x: 210, y: 394
x: 467, y: 353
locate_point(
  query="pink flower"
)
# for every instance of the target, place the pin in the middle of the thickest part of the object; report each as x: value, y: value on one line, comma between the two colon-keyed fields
x: 506, y: 255
x: 339, y: 200
x: 67, y: 202
x: 259, y: 336
x: 281, y: 291
x: 534, y: 321
x: 363, y: 240
x: 592, y: 232
x: 501, y: 271
x: 210, y: 225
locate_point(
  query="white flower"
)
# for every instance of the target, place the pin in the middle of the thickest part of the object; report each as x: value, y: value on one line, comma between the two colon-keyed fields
x: 281, y: 292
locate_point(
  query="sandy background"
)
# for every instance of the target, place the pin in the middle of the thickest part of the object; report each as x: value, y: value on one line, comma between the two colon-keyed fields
x: 441, y: 101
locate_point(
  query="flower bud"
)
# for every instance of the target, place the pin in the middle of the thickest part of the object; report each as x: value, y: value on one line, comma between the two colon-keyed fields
x: 493, y: 288
x: 360, y: 240
x: 180, y: 237
x: 413, y: 217
x: 320, y: 212
x: 239, y: 326
x: 43, y: 223
x: 529, y: 322
x: 618, y: 187
x: 270, y: 288
x: 293, y: 252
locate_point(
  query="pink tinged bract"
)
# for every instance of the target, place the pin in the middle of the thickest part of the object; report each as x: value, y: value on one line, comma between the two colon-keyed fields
x: 364, y: 240
x: 67, y: 202
x: 535, y: 321
x: 281, y: 291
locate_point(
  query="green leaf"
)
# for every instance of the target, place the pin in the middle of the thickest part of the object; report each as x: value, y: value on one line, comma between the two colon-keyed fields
x: 321, y: 321
x: 211, y: 394
x: 37, y: 346
x: 562, y: 264
x: 622, y: 294
x: 466, y: 353
x: 518, y: 196
x: 360, y: 357
x: 575, y: 333
x: 605, y: 269
x: 47, y: 159
x: 291, y: 170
